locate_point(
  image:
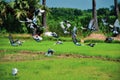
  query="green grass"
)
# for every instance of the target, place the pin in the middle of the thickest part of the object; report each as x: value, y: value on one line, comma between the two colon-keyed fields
x: 61, y: 69
x: 107, y: 50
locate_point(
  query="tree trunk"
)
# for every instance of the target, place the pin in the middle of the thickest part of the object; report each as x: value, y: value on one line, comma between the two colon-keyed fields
x: 94, y: 15
x: 116, y: 8
x: 44, y: 14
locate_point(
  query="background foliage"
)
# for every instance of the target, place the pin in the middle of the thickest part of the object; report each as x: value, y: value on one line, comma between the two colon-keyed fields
x: 12, y: 12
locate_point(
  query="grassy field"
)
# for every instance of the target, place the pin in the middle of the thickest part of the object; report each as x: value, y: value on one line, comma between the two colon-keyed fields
x: 69, y: 62
x: 108, y: 50
x: 61, y: 69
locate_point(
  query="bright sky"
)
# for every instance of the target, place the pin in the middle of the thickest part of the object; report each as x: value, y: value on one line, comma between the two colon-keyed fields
x: 80, y: 4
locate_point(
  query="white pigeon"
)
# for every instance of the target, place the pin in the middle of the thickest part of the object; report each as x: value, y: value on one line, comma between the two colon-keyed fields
x: 37, y: 37
x: 14, y: 71
x: 62, y: 25
x: 48, y: 33
x: 40, y: 12
x: 68, y: 25
x: 117, y: 23
x: 90, y: 24
x: 104, y: 22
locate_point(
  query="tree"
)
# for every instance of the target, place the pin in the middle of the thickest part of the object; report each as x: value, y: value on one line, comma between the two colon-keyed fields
x: 44, y: 14
x: 13, y: 11
x: 94, y: 15
x: 3, y: 9
x: 21, y: 8
x: 116, y: 8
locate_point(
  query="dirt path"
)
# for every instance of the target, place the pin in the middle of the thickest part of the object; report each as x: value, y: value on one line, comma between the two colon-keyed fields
x: 27, y: 55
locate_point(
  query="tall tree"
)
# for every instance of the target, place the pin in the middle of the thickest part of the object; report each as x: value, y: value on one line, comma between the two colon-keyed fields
x: 116, y: 8
x: 94, y: 15
x: 44, y: 14
x: 3, y: 9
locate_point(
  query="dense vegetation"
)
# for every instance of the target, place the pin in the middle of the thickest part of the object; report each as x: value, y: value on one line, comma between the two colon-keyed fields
x: 12, y: 12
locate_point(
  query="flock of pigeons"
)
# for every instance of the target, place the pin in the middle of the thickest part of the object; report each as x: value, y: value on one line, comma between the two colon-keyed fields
x: 65, y: 25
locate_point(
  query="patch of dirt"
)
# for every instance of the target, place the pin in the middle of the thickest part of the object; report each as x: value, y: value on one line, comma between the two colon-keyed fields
x: 29, y: 55
x: 117, y: 37
x: 22, y: 56
x: 81, y: 56
x: 30, y: 52
x: 96, y: 36
x: 99, y: 36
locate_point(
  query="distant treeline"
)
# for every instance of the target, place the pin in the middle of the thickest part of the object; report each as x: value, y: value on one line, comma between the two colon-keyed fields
x: 78, y: 18
x: 11, y: 14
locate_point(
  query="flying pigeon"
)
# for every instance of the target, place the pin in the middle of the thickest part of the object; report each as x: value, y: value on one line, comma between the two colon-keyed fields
x: 65, y: 26
x: 104, y: 22
x: 39, y: 12
x: 74, y: 34
x: 91, y: 25
x: 117, y: 23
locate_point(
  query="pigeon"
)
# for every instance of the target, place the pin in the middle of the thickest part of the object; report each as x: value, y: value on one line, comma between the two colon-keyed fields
x: 91, y: 44
x: 65, y: 25
x: 108, y: 40
x: 74, y: 34
x: 49, y: 52
x: 14, y: 42
x: 59, y: 42
x: 14, y: 71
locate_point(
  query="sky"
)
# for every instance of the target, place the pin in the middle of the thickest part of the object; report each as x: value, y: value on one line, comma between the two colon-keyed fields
x: 80, y: 4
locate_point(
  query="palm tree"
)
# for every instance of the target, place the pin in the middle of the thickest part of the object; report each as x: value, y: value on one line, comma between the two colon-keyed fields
x: 2, y: 12
x: 21, y: 8
x: 116, y: 8
x: 3, y: 7
x: 44, y: 14
x: 94, y: 15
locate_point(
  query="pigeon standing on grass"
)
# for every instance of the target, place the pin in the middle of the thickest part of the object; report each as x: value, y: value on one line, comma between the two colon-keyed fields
x: 51, y: 34
x: 14, y: 42
x: 59, y: 42
x: 91, y: 44
x: 14, y: 71
x: 109, y: 40
x: 49, y: 52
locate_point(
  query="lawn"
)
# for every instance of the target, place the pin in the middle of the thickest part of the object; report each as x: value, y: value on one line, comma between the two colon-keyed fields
x: 107, y: 50
x: 61, y: 69
x: 69, y: 62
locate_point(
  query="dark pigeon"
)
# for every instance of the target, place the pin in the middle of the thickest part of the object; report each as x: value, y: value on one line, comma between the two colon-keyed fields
x: 74, y: 34
x: 109, y: 40
x: 91, y: 44
x: 14, y: 42
x: 49, y: 52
